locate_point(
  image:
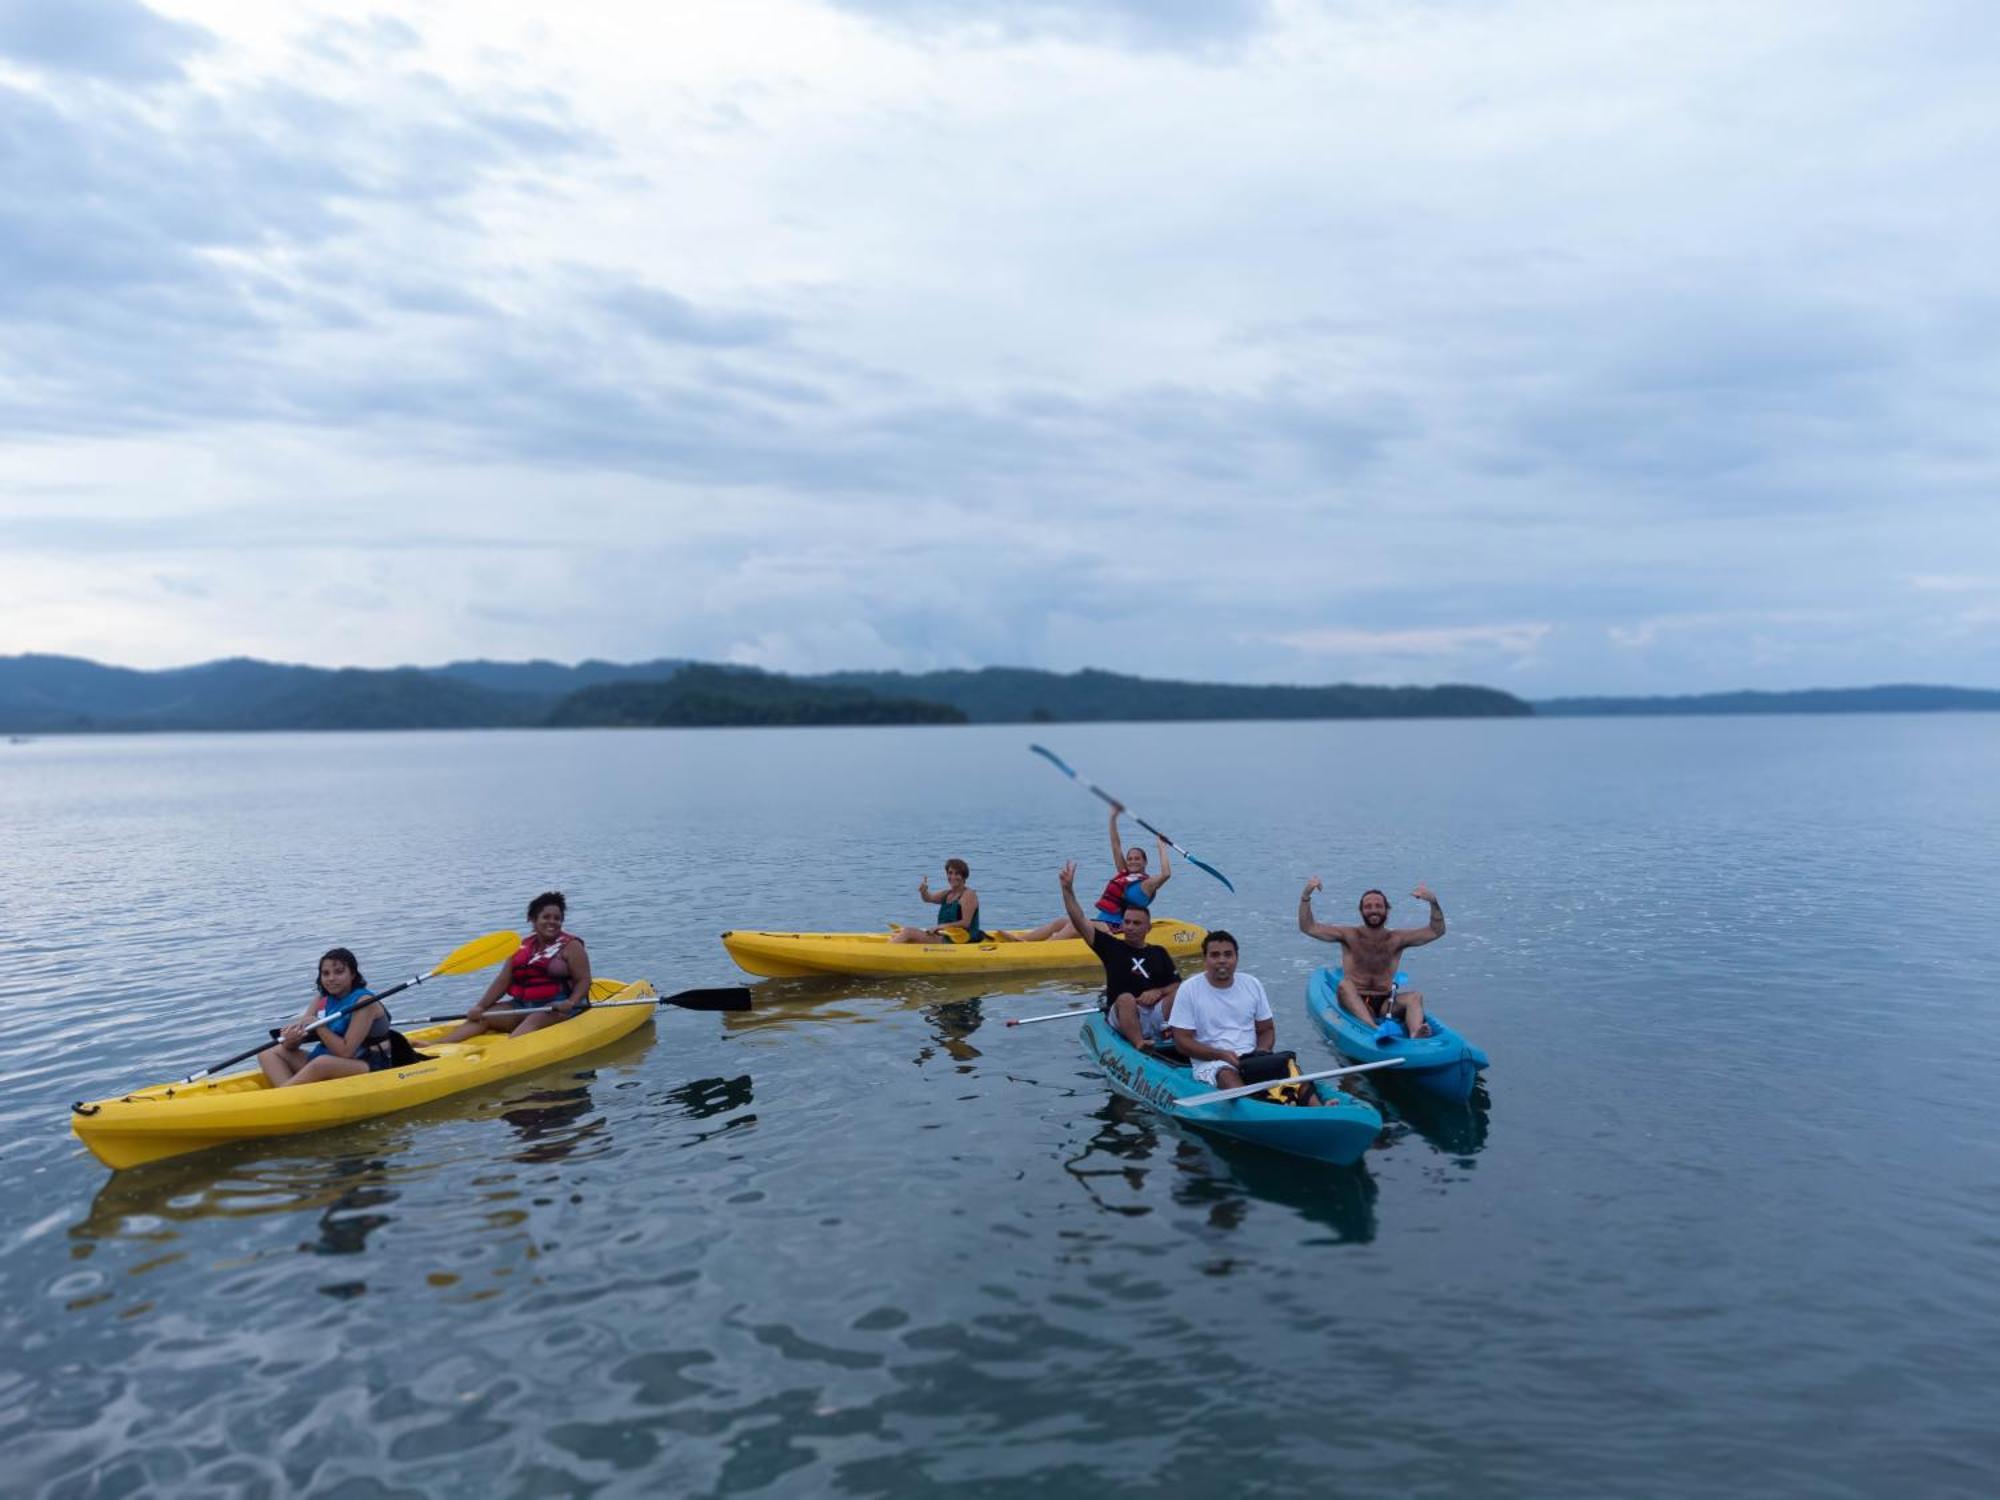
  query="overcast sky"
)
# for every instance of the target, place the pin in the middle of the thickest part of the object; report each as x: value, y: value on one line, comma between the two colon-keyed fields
x: 1548, y: 344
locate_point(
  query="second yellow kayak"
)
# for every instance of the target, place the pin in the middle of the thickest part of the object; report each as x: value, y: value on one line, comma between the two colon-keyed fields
x: 803, y: 955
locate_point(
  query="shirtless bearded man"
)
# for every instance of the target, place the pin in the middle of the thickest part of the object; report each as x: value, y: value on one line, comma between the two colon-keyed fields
x: 1368, y: 989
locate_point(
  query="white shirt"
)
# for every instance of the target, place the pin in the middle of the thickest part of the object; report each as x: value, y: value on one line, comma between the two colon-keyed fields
x: 1221, y: 1018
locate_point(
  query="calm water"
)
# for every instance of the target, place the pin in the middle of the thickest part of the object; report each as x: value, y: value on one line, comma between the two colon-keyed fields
x: 1726, y: 1217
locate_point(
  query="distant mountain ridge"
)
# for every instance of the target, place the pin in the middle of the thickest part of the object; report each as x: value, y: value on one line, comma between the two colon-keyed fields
x: 1023, y: 695
x: 59, y: 694
x: 1895, y: 698
x: 697, y: 696
x: 41, y: 694
x: 549, y: 679
x: 56, y: 694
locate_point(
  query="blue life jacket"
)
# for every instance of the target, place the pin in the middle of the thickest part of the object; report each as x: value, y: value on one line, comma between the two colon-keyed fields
x: 349, y: 1005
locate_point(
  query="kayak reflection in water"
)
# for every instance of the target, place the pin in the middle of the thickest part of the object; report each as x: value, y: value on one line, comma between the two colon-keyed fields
x: 1222, y: 1023
x: 957, y: 904
x: 549, y: 969
x: 1130, y: 887
x: 1368, y: 989
x: 355, y: 1041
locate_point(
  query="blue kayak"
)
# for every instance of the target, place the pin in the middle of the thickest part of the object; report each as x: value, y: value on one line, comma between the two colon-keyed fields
x: 1339, y: 1131
x: 1441, y: 1063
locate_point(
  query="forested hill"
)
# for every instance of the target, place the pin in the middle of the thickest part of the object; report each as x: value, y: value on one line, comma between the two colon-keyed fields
x: 710, y: 696
x: 66, y: 694
x: 1015, y: 695
x: 1893, y: 699
x: 55, y: 694
x: 551, y: 680
x: 58, y: 694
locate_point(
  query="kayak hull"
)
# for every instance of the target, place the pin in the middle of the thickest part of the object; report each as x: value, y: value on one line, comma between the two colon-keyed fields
x: 1340, y: 1131
x: 871, y: 955
x: 1444, y: 1064
x: 173, y: 1119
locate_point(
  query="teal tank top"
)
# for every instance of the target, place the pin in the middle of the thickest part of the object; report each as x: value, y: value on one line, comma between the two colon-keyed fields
x: 950, y: 912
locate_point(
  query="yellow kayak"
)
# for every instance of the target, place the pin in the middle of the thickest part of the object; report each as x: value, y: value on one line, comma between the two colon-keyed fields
x: 171, y: 1119
x: 803, y: 955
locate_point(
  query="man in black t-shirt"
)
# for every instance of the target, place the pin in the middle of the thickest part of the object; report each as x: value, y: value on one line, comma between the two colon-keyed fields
x: 1139, y: 977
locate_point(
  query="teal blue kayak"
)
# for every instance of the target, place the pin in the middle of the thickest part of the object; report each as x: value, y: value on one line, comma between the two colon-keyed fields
x: 1442, y: 1062
x: 1339, y: 1131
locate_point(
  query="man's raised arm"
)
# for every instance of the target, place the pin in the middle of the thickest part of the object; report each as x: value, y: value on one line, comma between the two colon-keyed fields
x: 1416, y: 937
x: 1077, y: 919
x: 1324, y: 931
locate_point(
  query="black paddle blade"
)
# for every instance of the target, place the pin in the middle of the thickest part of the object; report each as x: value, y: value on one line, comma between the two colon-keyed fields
x: 733, y: 997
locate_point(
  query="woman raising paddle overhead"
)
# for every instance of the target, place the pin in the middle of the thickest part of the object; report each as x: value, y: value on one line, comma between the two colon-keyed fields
x: 957, y: 904
x: 355, y: 1040
x: 549, y: 974
x: 1130, y: 886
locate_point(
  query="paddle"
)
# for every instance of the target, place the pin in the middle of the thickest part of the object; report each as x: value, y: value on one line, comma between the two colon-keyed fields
x: 1057, y: 761
x: 951, y: 932
x: 1278, y: 1083
x: 733, y: 997
x: 1063, y: 1015
x: 480, y: 953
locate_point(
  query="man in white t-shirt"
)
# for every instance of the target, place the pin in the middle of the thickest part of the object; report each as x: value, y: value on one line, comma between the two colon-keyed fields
x: 1220, y: 1014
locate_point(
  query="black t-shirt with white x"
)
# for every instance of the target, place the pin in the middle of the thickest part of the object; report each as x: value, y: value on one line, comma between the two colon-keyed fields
x: 1129, y: 970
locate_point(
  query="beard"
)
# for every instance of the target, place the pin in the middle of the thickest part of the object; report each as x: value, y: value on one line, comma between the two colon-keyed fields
x: 1374, y: 918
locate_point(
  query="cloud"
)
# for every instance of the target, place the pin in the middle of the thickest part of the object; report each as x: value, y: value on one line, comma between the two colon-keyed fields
x: 120, y: 41
x: 673, y: 319
x: 1734, y: 622
x: 1003, y: 334
x: 352, y: 43
x: 1442, y: 641
x: 1953, y: 583
x: 1142, y: 25
x: 177, y: 260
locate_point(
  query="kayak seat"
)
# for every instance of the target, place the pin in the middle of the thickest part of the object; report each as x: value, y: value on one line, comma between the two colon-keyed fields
x: 1171, y: 1055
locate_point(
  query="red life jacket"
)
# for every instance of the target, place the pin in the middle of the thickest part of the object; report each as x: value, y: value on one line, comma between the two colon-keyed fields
x: 1122, y: 888
x: 533, y: 983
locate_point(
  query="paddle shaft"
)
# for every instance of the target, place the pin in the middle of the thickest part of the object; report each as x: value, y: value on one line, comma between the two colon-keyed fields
x: 1061, y: 1015
x: 463, y: 959
x: 1061, y: 765
x: 940, y: 930
x: 326, y: 1020
x: 732, y: 997
x: 1278, y: 1083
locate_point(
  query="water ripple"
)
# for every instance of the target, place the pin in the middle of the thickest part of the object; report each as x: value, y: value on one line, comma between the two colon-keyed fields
x: 1723, y: 1214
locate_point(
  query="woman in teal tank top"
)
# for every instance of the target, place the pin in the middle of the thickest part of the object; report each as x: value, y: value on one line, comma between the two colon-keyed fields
x: 957, y: 904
